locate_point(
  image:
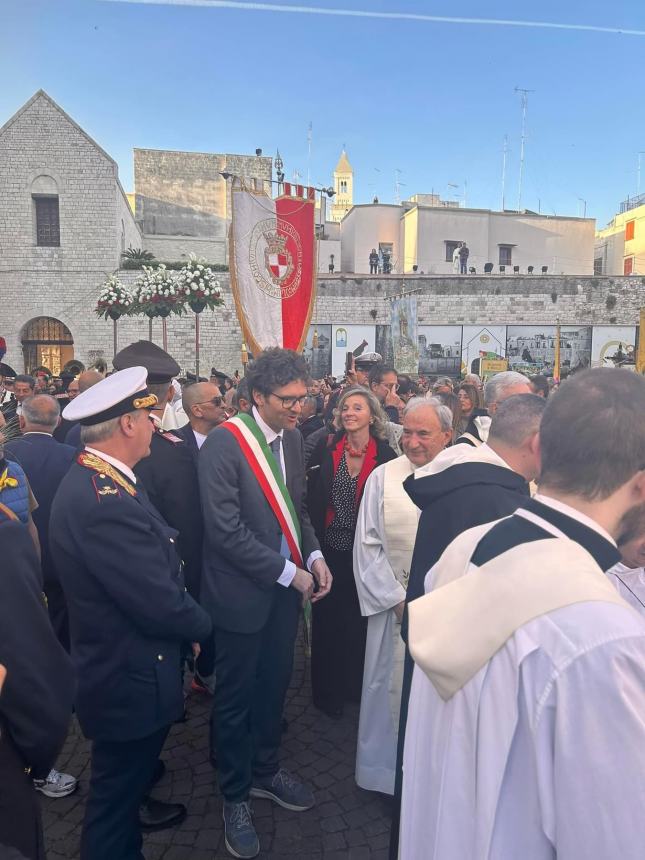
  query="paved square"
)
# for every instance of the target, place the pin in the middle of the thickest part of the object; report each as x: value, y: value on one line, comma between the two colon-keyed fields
x: 346, y: 822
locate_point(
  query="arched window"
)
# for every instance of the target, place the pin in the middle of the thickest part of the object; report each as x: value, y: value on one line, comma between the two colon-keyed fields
x: 44, y: 194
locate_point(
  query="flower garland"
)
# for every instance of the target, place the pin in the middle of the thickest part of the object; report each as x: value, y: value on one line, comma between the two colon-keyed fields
x: 115, y: 299
x: 157, y: 293
x: 200, y: 287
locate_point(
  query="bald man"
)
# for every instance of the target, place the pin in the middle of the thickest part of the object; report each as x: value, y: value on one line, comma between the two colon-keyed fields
x: 205, y: 408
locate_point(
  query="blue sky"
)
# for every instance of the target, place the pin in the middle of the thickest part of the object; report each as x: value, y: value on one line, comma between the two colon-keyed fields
x: 433, y: 100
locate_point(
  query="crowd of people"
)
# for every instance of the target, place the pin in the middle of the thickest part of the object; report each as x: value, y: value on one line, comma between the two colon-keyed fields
x: 465, y: 559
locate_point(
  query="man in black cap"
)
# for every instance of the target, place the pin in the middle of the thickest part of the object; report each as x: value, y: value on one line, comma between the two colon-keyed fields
x: 169, y: 474
x: 129, y: 611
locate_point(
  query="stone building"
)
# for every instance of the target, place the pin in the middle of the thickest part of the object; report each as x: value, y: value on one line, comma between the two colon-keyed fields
x: 183, y: 203
x: 64, y: 221
x: 344, y: 188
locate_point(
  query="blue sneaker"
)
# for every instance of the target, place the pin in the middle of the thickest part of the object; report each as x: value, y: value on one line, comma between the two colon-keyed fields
x: 285, y: 790
x: 239, y: 833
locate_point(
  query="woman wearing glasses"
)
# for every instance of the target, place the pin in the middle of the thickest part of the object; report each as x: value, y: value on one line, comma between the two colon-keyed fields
x: 338, y: 469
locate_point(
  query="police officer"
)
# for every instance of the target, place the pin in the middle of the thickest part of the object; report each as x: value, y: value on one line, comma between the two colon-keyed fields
x: 129, y: 611
x: 169, y: 474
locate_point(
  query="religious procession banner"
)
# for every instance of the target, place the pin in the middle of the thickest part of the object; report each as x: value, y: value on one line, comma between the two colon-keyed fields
x: 273, y: 265
x: 403, y: 325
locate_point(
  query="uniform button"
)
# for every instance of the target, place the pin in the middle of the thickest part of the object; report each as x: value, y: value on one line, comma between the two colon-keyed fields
x: 172, y: 540
x: 159, y: 656
x: 101, y: 476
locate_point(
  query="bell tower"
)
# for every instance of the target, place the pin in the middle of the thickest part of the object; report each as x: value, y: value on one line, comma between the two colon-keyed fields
x: 344, y: 188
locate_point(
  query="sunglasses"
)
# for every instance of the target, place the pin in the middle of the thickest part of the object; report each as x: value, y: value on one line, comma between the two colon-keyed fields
x: 216, y: 401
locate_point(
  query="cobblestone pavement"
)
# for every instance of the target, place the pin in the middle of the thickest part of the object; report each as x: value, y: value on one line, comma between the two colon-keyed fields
x: 346, y: 822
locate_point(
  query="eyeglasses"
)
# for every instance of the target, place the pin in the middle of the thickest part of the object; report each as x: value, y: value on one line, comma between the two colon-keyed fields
x: 290, y: 402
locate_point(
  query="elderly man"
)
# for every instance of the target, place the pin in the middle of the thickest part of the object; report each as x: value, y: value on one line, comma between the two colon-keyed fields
x: 204, y: 406
x: 309, y: 421
x: 129, y: 611
x: 385, y: 533
x: 528, y: 695
x: 498, y: 388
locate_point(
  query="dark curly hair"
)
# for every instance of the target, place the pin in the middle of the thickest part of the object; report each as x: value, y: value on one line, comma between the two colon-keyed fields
x: 275, y: 367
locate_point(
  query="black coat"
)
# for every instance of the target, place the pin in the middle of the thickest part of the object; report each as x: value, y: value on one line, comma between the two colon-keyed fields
x: 320, y: 477
x: 37, y: 698
x: 461, y: 497
x: 186, y: 433
x: 242, y: 537
x: 129, y: 611
x: 46, y: 462
x: 169, y: 475
x: 311, y: 425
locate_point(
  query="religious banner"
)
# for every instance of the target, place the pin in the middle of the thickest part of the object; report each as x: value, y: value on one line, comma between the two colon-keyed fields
x: 403, y: 325
x: 273, y: 265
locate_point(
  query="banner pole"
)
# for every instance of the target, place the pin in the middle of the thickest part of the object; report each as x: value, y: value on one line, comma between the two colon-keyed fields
x: 197, y: 346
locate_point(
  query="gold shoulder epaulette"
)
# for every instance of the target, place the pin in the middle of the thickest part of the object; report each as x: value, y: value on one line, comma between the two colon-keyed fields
x: 91, y: 461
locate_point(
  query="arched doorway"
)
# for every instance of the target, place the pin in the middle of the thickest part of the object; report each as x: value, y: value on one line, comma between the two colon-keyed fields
x: 46, y: 342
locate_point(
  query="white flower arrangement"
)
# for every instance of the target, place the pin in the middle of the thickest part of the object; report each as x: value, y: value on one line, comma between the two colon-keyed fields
x: 115, y: 299
x: 157, y: 292
x: 199, y: 286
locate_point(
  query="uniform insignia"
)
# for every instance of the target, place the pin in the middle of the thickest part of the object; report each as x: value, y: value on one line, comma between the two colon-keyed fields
x: 170, y: 437
x: 105, y: 483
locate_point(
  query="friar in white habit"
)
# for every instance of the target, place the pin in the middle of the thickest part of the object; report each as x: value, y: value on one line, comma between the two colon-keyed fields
x: 385, y: 533
x: 526, y: 727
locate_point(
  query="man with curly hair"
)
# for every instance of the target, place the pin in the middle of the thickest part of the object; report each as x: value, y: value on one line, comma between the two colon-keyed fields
x: 261, y: 561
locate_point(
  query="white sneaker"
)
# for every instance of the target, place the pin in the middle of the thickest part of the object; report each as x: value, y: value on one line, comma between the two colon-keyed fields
x: 57, y: 784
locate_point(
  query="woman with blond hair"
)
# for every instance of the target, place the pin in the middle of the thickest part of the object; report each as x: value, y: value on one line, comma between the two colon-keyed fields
x: 339, y: 466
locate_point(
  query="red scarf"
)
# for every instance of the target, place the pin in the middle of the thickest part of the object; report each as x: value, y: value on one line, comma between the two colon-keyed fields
x: 369, y: 464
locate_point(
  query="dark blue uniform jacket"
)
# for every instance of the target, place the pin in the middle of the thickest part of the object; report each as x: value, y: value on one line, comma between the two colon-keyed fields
x: 129, y: 611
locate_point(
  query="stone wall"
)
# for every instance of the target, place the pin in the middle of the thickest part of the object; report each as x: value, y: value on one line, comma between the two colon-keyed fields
x: 341, y: 300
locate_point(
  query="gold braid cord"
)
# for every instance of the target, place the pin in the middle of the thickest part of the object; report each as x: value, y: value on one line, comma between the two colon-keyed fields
x: 91, y: 461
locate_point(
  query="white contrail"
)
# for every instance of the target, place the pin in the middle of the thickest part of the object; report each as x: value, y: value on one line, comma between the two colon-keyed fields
x: 390, y: 16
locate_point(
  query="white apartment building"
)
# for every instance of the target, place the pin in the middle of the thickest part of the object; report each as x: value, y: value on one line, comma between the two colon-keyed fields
x: 425, y: 237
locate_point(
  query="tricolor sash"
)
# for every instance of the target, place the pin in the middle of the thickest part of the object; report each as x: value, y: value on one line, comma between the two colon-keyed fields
x: 269, y: 476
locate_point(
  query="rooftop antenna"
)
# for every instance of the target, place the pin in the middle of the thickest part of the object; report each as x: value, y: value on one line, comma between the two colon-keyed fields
x: 309, y: 136
x: 504, y: 157
x: 524, y: 96
x: 638, y: 175
x: 397, y: 186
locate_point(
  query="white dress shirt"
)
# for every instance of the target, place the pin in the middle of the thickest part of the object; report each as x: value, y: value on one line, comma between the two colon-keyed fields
x: 289, y: 570
x: 200, y: 438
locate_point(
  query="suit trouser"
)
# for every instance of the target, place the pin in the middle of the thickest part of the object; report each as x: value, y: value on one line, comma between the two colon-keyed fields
x: 20, y: 822
x: 120, y: 779
x: 253, y: 672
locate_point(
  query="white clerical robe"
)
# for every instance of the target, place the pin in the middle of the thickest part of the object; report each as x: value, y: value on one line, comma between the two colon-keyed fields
x: 630, y: 584
x: 379, y: 590
x: 541, y: 753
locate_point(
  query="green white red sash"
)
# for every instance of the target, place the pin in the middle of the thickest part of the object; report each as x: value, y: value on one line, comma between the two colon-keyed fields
x: 269, y: 476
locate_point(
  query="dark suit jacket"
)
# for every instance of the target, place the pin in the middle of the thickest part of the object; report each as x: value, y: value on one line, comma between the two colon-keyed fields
x: 186, y: 433
x: 242, y: 537
x: 129, y: 611
x: 46, y: 462
x: 36, y: 702
x: 311, y: 425
x: 169, y: 475
x: 73, y: 436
